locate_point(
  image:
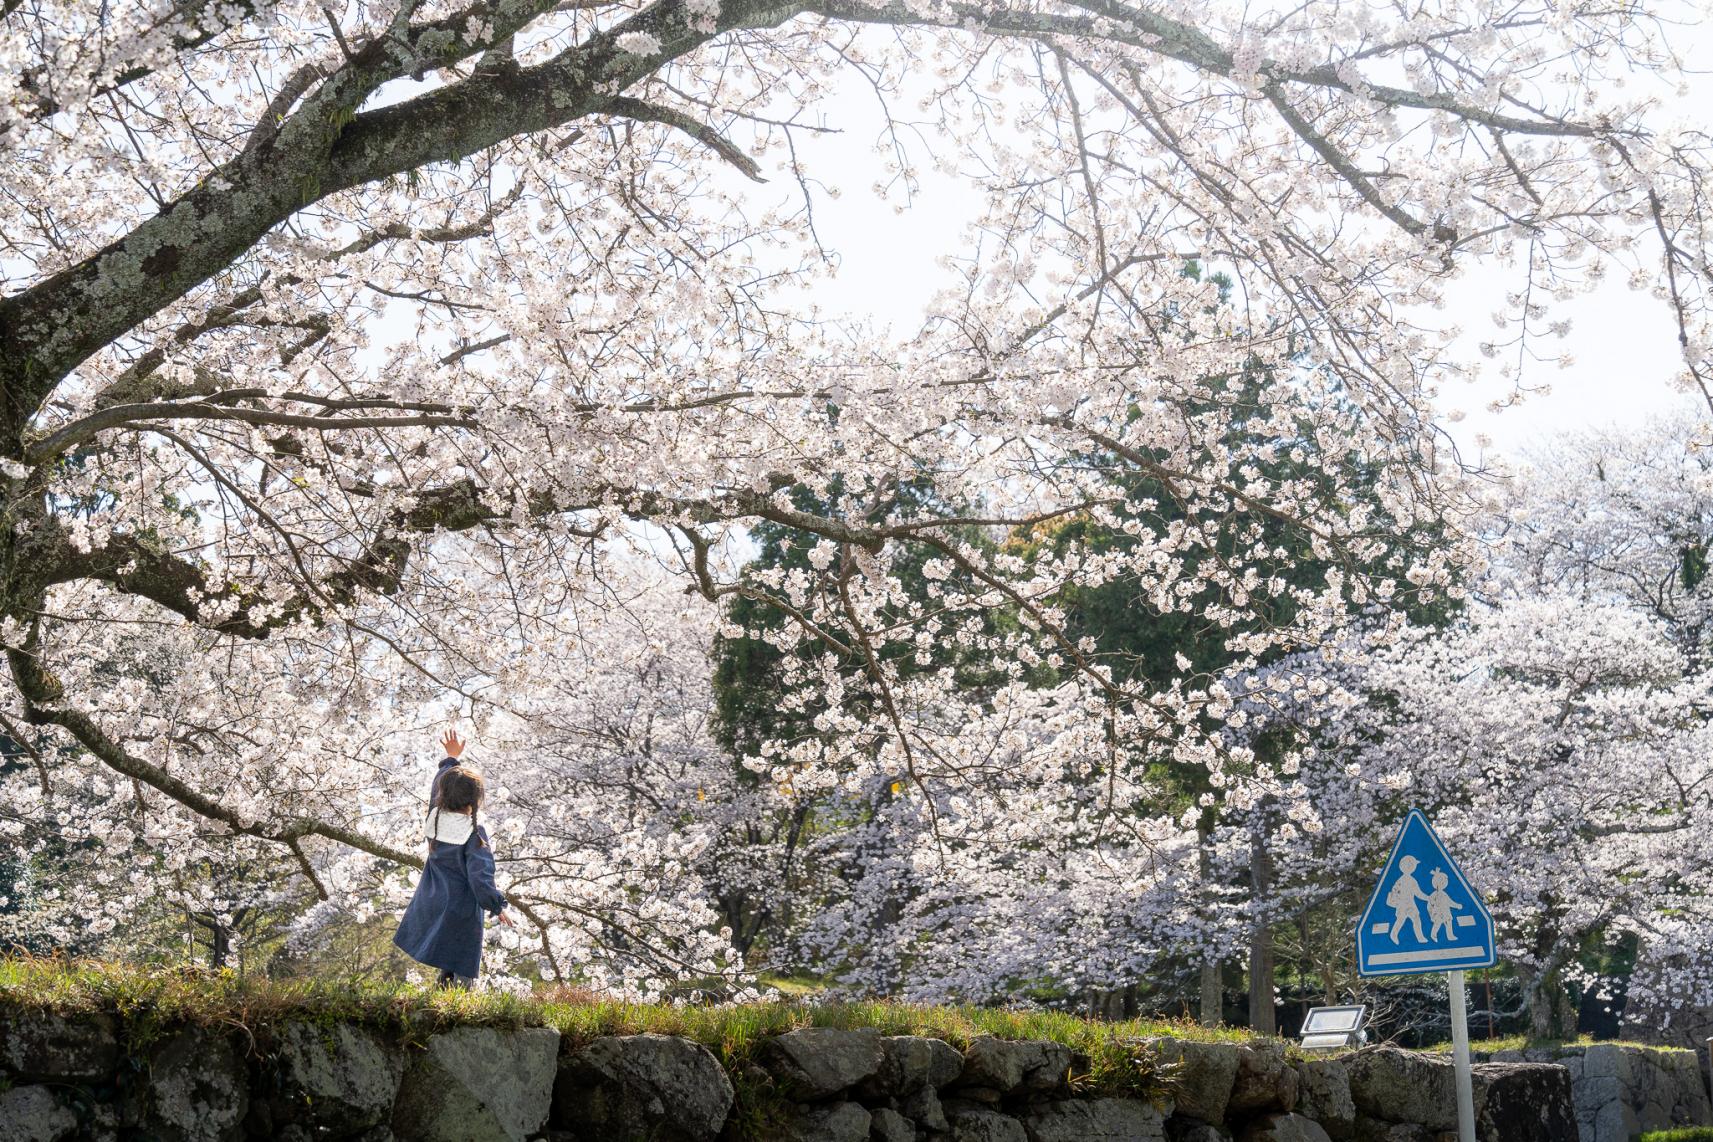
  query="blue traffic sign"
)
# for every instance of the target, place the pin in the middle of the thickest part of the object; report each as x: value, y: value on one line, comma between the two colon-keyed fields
x: 1423, y: 916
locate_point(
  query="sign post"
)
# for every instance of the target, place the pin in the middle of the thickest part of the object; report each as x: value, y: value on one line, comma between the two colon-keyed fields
x: 1460, y: 1059
x: 1411, y: 927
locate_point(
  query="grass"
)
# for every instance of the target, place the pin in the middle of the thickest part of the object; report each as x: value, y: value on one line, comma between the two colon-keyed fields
x: 143, y: 996
x: 1512, y: 1043
x: 1523, y: 1042
x: 794, y: 986
x: 1687, y: 1134
x: 149, y: 998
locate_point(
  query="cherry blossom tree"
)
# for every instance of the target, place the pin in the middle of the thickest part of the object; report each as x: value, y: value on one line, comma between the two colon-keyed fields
x: 336, y: 343
x: 1621, y: 518
x: 1556, y: 732
x: 1053, y: 876
x: 1562, y: 749
x: 611, y: 790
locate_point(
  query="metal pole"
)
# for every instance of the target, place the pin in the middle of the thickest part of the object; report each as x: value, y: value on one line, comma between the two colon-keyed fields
x: 1460, y: 1058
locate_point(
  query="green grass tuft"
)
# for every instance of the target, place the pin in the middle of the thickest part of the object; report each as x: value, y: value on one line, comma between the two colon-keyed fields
x: 1687, y: 1134
x: 1523, y: 1042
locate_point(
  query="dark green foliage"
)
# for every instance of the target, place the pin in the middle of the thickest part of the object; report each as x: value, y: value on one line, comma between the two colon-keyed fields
x: 1692, y: 567
x: 755, y: 699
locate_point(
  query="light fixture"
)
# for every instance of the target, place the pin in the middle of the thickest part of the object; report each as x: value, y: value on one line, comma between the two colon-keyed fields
x: 1326, y: 1028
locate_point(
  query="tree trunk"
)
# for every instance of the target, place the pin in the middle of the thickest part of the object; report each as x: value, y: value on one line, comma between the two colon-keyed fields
x: 219, y: 940
x: 1212, y: 1002
x: 1551, y: 1014
x: 1105, y: 1004
x: 1328, y: 983
x: 1261, y: 1015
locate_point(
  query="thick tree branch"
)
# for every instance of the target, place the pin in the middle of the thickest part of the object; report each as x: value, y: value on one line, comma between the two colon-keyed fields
x: 1341, y: 163
x: 131, y: 565
x: 49, y: 329
x: 42, y: 694
x: 115, y: 416
x: 1190, y: 45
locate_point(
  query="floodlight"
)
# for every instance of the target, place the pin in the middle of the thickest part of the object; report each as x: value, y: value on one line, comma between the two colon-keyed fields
x: 1330, y: 1027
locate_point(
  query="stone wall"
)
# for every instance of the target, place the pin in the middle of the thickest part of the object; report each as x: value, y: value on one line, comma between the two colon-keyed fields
x: 1621, y: 1090
x: 63, y: 1078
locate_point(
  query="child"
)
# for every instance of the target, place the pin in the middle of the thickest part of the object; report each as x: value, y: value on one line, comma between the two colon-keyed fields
x: 443, y: 925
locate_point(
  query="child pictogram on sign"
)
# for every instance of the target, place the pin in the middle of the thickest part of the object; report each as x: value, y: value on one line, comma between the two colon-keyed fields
x: 1402, y: 900
x: 1440, y: 905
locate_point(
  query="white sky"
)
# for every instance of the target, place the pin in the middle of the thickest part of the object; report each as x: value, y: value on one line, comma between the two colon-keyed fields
x: 1623, y: 343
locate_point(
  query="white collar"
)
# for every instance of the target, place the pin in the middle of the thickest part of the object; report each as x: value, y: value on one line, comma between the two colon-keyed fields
x: 451, y: 828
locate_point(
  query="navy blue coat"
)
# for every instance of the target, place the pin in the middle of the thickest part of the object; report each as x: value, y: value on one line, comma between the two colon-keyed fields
x: 443, y: 925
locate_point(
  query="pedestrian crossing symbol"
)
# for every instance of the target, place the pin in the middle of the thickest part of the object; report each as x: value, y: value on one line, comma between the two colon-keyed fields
x: 1423, y: 916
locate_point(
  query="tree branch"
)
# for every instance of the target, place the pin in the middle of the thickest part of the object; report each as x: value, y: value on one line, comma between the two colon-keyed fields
x: 701, y: 132
x: 115, y: 416
x: 130, y: 565
x: 1341, y: 163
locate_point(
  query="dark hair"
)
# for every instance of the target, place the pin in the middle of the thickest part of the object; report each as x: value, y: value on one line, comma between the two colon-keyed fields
x: 459, y: 788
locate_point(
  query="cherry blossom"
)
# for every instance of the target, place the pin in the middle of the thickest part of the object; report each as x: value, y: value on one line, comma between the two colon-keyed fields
x: 342, y: 350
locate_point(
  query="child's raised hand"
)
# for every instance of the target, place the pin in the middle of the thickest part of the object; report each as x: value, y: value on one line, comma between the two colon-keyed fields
x: 452, y: 743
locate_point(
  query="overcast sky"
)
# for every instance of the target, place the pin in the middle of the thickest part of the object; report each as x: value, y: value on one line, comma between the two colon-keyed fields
x: 1623, y: 343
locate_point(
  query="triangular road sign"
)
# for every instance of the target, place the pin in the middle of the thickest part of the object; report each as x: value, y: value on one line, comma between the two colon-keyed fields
x: 1423, y: 916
